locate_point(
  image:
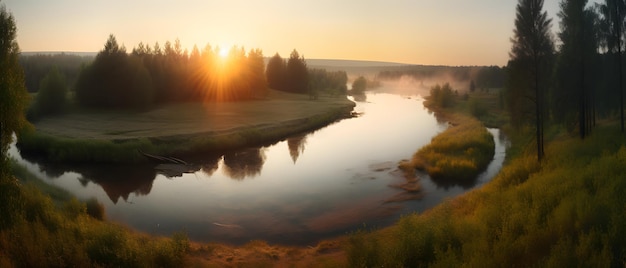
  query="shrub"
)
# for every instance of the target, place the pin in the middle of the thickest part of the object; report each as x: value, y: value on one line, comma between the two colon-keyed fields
x: 51, y: 97
x: 442, y: 96
x: 95, y: 209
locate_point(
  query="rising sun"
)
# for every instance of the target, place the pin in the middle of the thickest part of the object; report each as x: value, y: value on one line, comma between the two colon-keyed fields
x: 223, y: 52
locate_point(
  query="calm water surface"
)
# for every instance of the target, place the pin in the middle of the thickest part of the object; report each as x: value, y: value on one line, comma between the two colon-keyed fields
x: 297, y: 191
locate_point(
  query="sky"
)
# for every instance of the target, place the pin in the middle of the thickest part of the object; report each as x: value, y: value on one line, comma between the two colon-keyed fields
x: 430, y: 32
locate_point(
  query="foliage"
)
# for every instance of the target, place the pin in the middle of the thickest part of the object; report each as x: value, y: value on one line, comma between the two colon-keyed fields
x: 484, y: 76
x: 297, y: 73
x: 359, y: 85
x: 276, y: 73
x: 52, y: 96
x: 459, y: 153
x: 162, y: 75
x: 331, y: 82
x: 441, y: 96
x: 37, y: 66
x: 13, y: 94
x: 529, y: 67
x: 566, y: 212
x: 576, y: 75
x: 477, y: 108
x: 49, y: 236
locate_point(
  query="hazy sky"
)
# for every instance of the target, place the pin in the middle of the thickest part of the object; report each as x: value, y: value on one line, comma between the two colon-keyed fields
x: 446, y: 32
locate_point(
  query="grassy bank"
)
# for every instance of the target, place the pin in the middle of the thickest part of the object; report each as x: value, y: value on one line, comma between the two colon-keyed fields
x: 463, y: 150
x: 105, y: 136
x: 567, y: 211
x: 459, y: 153
x: 53, y: 229
x: 45, y: 226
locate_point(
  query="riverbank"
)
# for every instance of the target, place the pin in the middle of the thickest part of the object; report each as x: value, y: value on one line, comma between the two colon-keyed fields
x: 565, y: 211
x: 179, y: 129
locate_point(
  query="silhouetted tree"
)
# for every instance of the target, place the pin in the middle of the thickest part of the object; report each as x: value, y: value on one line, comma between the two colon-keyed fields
x: 297, y: 74
x: 276, y: 73
x: 573, y: 94
x: 530, y: 66
x: 115, y: 80
x: 256, y: 73
x: 472, y: 86
x: 612, y: 17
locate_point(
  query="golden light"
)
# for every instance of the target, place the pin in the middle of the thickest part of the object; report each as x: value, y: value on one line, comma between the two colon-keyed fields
x: 223, y: 52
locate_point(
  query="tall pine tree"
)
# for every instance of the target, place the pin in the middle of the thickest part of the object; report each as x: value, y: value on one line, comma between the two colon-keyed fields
x: 530, y: 66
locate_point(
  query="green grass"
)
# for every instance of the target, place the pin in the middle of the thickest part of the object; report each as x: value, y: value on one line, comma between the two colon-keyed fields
x: 459, y: 153
x: 178, y: 129
x: 568, y: 211
x: 37, y: 231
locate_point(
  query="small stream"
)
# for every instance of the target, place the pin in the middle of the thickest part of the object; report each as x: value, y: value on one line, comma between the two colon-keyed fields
x: 297, y: 191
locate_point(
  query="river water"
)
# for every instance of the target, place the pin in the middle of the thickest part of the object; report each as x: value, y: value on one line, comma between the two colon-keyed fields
x: 297, y: 191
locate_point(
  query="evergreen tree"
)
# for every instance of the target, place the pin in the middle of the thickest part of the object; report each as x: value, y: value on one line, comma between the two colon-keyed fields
x: 612, y: 18
x: 297, y: 74
x: 276, y: 73
x: 530, y: 66
x: 572, y: 98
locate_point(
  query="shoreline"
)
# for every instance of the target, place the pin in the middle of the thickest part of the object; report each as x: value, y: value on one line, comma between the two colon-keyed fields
x: 125, y: 149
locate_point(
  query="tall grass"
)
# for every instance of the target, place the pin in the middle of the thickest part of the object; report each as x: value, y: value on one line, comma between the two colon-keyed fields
x: 568, y: 211
x: 459, y: 153
x: 42, y: 234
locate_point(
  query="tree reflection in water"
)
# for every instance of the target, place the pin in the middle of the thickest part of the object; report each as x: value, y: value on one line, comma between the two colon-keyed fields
x: 245, y: 163
x: 296, y: 146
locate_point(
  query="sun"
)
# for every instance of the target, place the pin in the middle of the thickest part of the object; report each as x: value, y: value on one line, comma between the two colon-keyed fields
x: 223, y: 52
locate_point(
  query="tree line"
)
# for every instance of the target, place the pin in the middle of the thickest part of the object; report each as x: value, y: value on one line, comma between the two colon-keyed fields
x: 484, y: 77
x: 170, y: 74
x: 571, y: 83
x: 151, y: 75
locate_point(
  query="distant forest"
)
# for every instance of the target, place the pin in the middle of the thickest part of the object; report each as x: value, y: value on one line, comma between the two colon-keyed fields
x: 483, y: 77
x: 149, y: 75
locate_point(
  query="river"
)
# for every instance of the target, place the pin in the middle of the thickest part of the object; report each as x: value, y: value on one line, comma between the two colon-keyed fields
x: 297, y: 191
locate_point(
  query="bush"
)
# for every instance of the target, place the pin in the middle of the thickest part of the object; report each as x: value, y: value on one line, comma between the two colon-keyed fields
x: 95, y: 209
x: 51, y: 98
x: 477, y: 108
x: 442, y: 96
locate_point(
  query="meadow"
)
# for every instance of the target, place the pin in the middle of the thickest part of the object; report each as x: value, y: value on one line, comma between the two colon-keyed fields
x: 177, y: 129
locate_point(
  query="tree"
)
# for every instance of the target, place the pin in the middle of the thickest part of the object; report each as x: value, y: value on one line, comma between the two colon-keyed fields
x: 612, y: 16
x: 276, y: 73
x: 13, y: 94
x: 359, y: 85
x: 256, y: 73
x: 472, y: 86
x: 572, y: 98
x: 13, y: 102
x: 115, y: 80
x: 52, y: 94
x: 297, y: 73
x: 530, y: 66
